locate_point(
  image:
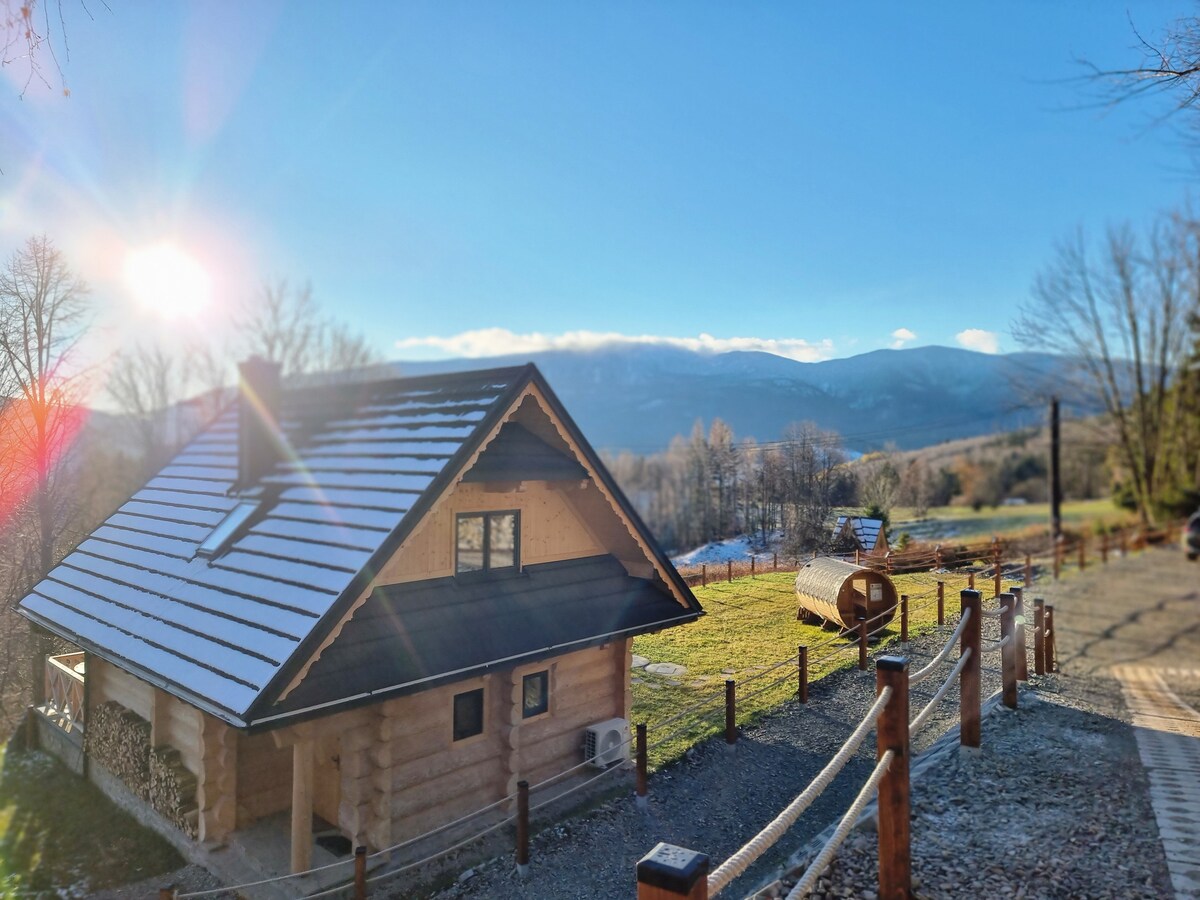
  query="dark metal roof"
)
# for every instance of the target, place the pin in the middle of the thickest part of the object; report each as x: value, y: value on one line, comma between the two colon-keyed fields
x: 865, y: 531
x: 423, y: 633
x: 363, y: 463
x: 515, y: 454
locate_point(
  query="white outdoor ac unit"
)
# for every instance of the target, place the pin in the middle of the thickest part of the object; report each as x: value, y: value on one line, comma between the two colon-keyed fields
x: 606, y: 743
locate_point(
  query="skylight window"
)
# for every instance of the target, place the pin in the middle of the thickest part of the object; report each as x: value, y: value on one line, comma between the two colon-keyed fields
x: 220, y: 536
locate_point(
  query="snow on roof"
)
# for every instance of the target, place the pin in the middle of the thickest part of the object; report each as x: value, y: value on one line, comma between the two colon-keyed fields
x: 218, y: 630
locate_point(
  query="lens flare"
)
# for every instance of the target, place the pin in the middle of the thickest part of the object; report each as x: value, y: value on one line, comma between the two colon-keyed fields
x: 168, y: 281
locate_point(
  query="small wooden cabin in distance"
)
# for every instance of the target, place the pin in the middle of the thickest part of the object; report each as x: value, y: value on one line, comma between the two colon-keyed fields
x: 859, y: 534
x: 833, y: 592
x: 373, y: 606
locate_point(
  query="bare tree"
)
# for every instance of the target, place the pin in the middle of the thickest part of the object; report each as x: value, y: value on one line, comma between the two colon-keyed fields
x: 1170, y: 65
x: 1119, y: 311
x: 33, y: 30
x: 145, y: 383
x: 43, y: 309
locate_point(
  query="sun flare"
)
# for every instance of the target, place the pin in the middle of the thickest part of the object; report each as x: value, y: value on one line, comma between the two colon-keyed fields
x: 168, y: 281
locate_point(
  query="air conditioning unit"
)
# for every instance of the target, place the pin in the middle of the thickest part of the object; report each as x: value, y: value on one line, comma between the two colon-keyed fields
x: 606, y: 743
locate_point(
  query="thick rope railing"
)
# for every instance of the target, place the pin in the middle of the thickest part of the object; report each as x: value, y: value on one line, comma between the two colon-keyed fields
x: 740, y: 861
x: 925, y: 671
x: 996, y: 646
x: 844, y: 827
x: 922, y: 718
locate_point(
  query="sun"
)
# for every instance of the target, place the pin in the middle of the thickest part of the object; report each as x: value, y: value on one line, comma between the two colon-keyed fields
x: 166, y: 280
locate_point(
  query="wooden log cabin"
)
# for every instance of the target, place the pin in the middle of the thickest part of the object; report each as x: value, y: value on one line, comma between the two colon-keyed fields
x: 375, y: 606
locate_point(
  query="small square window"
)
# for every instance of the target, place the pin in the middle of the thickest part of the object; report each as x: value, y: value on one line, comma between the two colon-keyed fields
x: 487, y: 542
x: 535, y: 693
x: 468, y: 714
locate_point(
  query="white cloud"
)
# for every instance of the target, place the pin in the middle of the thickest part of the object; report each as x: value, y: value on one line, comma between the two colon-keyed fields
x: 978, y: 339
x: 902, y: 336
x: 499, y: 341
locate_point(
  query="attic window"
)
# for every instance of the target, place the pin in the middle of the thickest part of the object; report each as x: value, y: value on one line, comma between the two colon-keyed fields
x: 487, y: 542
x: 220, y: 536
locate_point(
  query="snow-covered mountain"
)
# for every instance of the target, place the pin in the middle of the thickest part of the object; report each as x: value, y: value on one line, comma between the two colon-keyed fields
x: 638, y: 397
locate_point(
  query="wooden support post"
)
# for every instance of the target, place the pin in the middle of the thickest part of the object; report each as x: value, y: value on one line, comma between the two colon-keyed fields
x: 729, y: 570
x: 857, y: 557
x: 167, y: 893
x: 937, y: 558
x: 968, y: 704
x: 669, y: 873
x: 904, y: 618
x: 360, y: 873
x: 1058, y: 557
x: 997, y: 563
x: 1019, y: 635
x: 522, y: 828
x: 1104, y: 548
x: 941, y: 603
x: 775, y: 562
x: 1008, y: 654
x: 970, y: 581
x: 1028, y: 571
x: 1051, y: 641
x: 302, y: 804
x: 704, y: 575
x: 887, y: 562
x: 642, y: 781
x: 1039, y: 636
x: 1082, y: 553
x: 802, y: 664
x: 895, y: 850
x: 862, y: 643
x: 730, y: 712
x: 752, y: 575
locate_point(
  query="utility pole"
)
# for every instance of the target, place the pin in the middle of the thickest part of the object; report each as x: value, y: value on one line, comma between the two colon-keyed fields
x: 1055, y: 471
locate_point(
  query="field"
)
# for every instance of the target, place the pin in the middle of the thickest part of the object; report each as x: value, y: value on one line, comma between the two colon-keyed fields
x: 965, y: 523
x: 59, y: 835
x: 750, y: 627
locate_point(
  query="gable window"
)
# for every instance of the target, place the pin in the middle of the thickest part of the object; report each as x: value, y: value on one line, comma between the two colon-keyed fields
x: 487, y: 542
x: 535, y: 694
x: 468, y: 714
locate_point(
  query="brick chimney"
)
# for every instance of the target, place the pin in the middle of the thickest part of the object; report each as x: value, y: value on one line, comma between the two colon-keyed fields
x: 260, y: 443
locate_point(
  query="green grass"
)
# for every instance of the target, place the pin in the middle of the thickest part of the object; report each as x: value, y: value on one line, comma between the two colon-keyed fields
x: 60, y: 835
x: 965, y: 523
x: 751, y: 625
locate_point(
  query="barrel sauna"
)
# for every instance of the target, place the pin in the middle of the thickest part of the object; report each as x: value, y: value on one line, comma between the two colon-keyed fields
x: 832, y: 592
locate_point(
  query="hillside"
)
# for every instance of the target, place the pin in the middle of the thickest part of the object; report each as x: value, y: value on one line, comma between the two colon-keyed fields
x: 639, y: 397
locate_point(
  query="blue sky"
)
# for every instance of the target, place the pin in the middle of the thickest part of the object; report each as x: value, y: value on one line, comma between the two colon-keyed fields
x: 478, y: 178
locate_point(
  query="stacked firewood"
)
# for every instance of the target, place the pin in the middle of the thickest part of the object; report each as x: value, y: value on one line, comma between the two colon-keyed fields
x: 119, y: 740
x: 173, y: 789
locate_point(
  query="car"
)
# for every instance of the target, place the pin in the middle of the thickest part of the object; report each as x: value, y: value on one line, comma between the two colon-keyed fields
x: 1191, y: 536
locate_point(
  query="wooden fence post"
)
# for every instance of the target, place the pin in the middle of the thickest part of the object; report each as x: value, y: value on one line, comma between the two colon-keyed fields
x: 862, y: 643
x: 774, y: 562
x: 730, y: 712
x: 1008, y: 654
x: 1028, y: 571
x: 941, y: 603
x: 522, y: 828
x: 968, y: 704
x: 1039, y: 636
x: 970, y: 581
x: 668, y: 873
x: 997, y: 562
x: 887, y: 562
x: 752, y: 575
x: 167, y: 893
x: 704, y: 575
x: 937, y: 558
x: 642, y: 782
x: 1058, y: 556
x: 360, y: 873
x: 729, y: 570
x: 903, y: 618
x: 1082, y: 552
x: 1019, y: 632
x: 802, y: 663
x: 1051, y: 641
x: 857, y: 556
x: 895, y: 850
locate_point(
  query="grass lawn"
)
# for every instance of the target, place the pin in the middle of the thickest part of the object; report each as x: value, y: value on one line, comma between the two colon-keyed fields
x: 751, y: 625
x: 60, y: 835
x: 965, y: 523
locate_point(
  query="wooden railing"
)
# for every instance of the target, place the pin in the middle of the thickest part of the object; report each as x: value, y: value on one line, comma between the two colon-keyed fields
x: 64, y: 689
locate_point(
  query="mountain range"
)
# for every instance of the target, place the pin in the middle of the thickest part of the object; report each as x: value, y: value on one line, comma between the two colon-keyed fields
x: 638, y: 397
